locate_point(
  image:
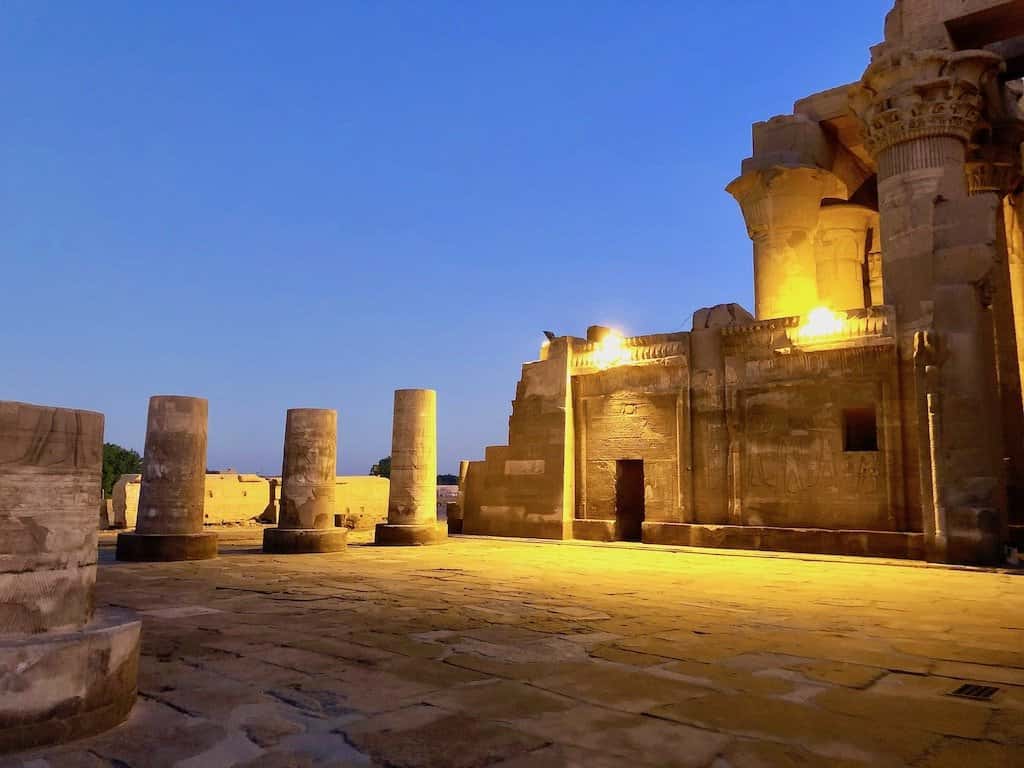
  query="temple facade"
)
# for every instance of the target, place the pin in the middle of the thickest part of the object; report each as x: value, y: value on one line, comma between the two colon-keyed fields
x: 872, y: 403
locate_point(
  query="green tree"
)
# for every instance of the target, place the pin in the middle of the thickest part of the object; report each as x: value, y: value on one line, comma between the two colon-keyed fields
x: 382, y: 468
x: 447, y: 479
x: 118, y: 461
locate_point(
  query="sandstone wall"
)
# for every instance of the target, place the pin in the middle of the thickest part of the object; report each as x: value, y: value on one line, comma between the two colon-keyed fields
x: 363, y: 501
x: 629, y: 413
x: 526, y: 488
x: 236, y: 498
x: 125, y: 498
x: 228, y: 498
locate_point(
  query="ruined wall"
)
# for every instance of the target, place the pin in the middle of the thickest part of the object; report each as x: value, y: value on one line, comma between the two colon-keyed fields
x: 526, y: 488
x: 234, y: 498
x: 125, y: 498
x: 228, y: 498
x: 361, y: 501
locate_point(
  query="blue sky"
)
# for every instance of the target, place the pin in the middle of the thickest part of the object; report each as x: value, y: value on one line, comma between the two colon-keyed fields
x: 311, y: 204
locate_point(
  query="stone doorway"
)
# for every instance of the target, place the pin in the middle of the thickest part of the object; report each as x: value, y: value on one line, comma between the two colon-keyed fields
x: 629, y: 499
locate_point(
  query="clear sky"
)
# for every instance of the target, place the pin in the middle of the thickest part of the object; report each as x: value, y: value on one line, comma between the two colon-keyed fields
x: 311, y: 204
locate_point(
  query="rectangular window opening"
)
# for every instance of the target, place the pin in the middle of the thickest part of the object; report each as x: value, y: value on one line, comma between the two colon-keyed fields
x: 860, y: 429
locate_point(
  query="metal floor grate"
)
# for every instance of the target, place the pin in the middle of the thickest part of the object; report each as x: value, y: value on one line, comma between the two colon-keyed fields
x: 974, y: 692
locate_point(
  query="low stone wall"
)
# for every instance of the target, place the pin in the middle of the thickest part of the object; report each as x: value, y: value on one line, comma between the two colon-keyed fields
x: 446, y: 494
x: 125, y: 501
x: 360, y: 502
x: 229, y: 498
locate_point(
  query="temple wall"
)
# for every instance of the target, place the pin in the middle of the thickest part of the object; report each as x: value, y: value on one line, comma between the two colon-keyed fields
x: 632, y: 412
x: 796, y: 460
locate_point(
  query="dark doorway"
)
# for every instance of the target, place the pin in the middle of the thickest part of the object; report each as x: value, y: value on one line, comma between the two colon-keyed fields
x: 629, y: 499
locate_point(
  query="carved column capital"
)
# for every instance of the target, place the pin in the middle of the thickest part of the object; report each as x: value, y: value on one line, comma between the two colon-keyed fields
x: 993, y: 168
x: 783, y: 197
x: 907, y: 95
x: 781, y: 205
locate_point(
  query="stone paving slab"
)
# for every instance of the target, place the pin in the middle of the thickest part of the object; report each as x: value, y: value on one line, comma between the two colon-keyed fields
x: 485, y: 652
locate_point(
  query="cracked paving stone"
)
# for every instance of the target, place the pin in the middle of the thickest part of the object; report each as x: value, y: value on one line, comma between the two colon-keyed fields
x: 428, y: 736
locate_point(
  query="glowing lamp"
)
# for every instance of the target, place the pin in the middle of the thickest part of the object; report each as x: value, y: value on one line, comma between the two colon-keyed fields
x: 821, y: 322
x: 611, y: 351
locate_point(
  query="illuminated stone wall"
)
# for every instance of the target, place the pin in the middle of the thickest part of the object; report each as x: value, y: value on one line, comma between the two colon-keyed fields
x: 739, y: 423
x: 791, y: 465
x: 630, y: 412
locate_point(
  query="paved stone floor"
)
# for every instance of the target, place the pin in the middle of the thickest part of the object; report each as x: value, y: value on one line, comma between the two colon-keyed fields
x: 485, y: 652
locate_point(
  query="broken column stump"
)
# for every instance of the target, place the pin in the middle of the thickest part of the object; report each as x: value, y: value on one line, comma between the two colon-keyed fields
x: 412, y: 501
x: 306, y: 521
x: 65, y: 670
x: 170, y: 519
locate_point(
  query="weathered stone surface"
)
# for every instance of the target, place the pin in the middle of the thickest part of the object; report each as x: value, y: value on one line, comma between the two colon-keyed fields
x: 171, y: 497
x: 174, y: 466
x: 50, y: 461
x: 60, y: 686
x: 309, y: 469
x: 307, y: 519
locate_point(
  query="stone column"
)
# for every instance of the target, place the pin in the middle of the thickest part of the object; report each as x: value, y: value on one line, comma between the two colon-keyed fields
x: 840, y: 251
x: 308, y: 475
x: 919, y: 110
x: 412, y: 501
x: 171, y: 500
x: 994, y: 171
x: 455, y: 511
x: 66, y: 671
x: 780, y: 206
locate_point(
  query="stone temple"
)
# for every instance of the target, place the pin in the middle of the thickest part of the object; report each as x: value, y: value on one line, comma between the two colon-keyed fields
x: 872, y: 403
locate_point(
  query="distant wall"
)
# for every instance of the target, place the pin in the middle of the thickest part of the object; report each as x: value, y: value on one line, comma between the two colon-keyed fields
x: 445, y: 494
x: 363, y: 501
x: 125, y: 497
x: 235, y: 498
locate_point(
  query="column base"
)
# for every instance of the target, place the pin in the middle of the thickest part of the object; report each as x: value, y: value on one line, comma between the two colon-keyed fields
x: 299, y: 541
x: 166, y: 547
x: 68, y: 685
x: 388, y: 535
